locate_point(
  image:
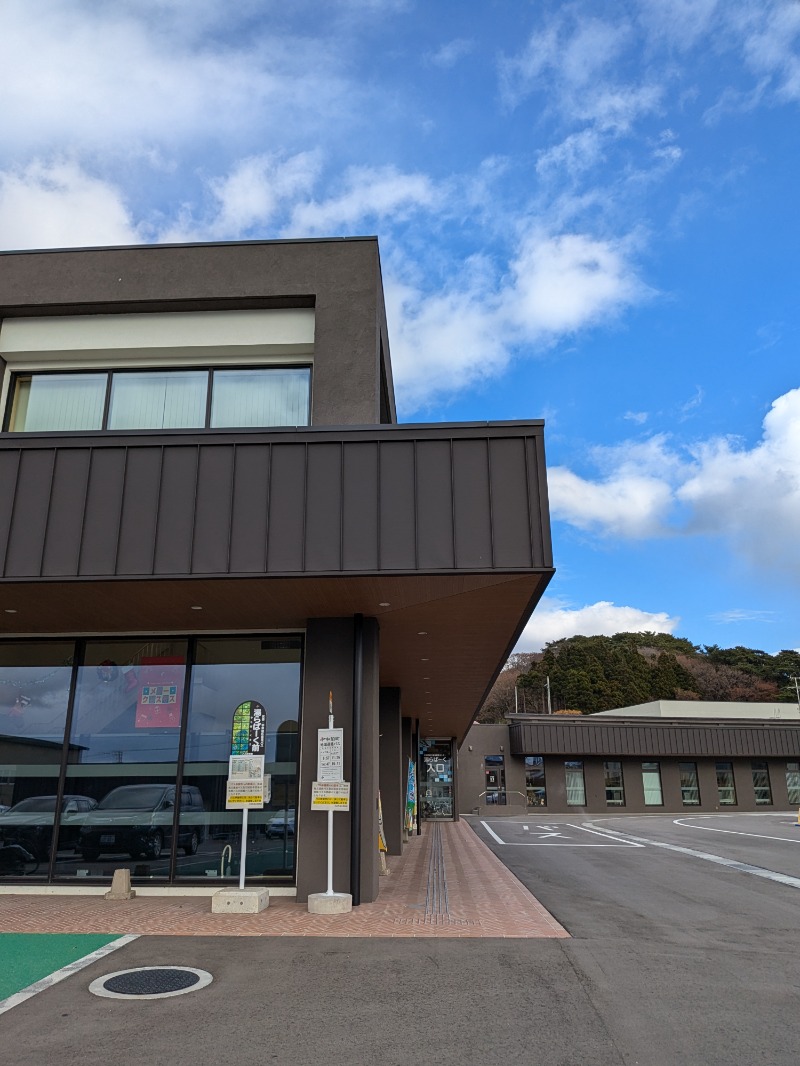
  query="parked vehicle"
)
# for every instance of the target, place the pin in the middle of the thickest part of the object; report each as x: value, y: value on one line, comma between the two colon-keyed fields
x: 281, y: 824
x: 137, y: 820
x: 30, y: 823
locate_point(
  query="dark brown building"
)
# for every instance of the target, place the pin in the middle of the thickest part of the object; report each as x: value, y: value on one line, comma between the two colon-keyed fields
x: 205, y: 499
x: 623, y: 763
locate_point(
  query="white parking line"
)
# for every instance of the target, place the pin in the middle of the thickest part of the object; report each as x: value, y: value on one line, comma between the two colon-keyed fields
x: 736, y: 832
x: 568, y: 844
x: 732, y: 864
x: 17, y: 998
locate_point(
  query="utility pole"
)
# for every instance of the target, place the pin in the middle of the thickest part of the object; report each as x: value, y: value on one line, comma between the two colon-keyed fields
x: 547, y: 687
x: 797, y: 690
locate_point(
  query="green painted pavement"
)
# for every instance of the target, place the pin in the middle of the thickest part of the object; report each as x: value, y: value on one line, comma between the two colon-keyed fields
x: 28, y: 957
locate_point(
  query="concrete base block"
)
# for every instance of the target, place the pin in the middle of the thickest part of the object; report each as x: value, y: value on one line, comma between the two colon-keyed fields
x: 240, y: 901
x: 322, y: 903
x: 120, y: 886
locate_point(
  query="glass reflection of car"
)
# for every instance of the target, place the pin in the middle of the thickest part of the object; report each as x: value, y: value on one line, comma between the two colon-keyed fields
x: 281, y: 824
x: 30, y: 823
x: 137, y: 820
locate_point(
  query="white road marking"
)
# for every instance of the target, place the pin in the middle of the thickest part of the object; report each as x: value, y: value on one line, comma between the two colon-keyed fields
x: 568, y: 844
x: 492, y: 833
x: 525, y: 828
x: 599, y: 834
x: 732, y: 864
x: 66, y: 971
x: 736, y: 832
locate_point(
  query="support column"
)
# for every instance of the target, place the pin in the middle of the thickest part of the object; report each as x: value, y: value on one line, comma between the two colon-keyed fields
x: 392, y: 782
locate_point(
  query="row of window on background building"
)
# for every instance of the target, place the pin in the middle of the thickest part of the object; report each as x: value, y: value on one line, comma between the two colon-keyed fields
x: 575, y: 783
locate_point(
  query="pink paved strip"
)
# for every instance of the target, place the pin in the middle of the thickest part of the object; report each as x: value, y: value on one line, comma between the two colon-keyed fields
x: 483, y: 900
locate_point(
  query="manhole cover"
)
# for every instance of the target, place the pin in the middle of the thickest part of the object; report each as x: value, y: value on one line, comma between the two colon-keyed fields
x: 150, y: 982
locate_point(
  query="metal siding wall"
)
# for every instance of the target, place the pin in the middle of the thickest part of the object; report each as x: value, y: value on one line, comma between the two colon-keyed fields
x: 251, y: 496
x: 29, y: 520
x: 398, y: 543
x: 212, y: 520
x: 361, y: 494
x: 91, y: 507
x: 139, y: 511
x: 323, y: 508
x: 434, y: 505
x: 176, y: 505
x: 511, y: 523
x: 287, y: 509
x: 472, y: 504
x: 9, y: 467
x: 103, y: 512
x: 62, y: 546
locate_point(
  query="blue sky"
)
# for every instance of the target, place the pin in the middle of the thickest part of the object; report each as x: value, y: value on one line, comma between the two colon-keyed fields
x: 587, y: 213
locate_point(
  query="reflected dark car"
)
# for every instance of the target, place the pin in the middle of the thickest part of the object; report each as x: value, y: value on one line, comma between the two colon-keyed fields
x: 137, y: 820
x: 30, y: 823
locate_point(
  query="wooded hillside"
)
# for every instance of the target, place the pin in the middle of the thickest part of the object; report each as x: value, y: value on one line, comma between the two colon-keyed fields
x: 590, y: 674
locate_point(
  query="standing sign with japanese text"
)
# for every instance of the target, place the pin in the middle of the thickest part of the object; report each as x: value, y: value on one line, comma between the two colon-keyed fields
x: 249, y: 732
x: 330, y: 755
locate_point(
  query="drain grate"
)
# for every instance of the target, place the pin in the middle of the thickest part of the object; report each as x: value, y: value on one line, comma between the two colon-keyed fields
x: 150, y: 982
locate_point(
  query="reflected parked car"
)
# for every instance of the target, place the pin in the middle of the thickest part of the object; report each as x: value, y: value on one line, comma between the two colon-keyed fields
x: 137, y: 820
x: 30, y: 823
x: 281, y: 824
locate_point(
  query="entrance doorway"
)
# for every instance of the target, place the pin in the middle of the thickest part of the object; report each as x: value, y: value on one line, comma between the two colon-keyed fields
x: 436, y: 785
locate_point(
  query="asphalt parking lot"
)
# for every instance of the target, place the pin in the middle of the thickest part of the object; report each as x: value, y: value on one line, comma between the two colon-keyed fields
x: 684, y: 952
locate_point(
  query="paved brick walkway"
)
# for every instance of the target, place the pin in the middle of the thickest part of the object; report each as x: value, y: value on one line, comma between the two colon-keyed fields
x: 447, y: 884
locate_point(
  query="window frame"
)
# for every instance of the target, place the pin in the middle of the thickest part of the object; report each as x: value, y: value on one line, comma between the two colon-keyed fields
x: 16, y: 375
x: 648, y: 768
x: 620, y: 788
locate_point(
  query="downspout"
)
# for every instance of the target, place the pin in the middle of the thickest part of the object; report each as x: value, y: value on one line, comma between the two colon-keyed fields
x: 355, y: 785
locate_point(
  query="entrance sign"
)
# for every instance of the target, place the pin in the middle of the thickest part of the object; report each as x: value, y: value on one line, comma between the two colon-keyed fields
x: 246, y: 782
x: 249, y: 732
x: 330, y: 796
x: 330, y: 755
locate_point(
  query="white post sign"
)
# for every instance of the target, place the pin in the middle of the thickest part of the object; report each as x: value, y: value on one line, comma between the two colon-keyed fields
x: 330, y: 755
x: 246, y: 781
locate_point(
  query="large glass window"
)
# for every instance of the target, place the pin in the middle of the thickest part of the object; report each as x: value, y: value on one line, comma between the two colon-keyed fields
x: 726, y: 786
x: 793, y: 782
x: 576, y: 786
x: 651, y: 782
x: 161, y: 399
x: 227, y: 672
x: 761, y: 785
x: 34, y: 697
x: 262, y: 397
x: 535, y: 785
x: 126, y: 731
x: 690, y: 788
x: 615, y: 788
x: 58, y: 402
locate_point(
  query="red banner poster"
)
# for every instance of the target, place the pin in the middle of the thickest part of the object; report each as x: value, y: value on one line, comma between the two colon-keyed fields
x: 160, y: 693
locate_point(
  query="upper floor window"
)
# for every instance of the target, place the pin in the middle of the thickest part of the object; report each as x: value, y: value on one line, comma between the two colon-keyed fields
x: 160, y: 399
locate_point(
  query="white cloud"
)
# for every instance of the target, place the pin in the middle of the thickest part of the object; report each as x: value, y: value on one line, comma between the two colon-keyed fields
x: 248, y: 198
x: 556, y: 285
x: 368, y: 193
x: 749, y: 497
x: 59, y: 205
x: 742, y: 614
x: 555, y: 620
x: 450, y: 53
x: 127, y: 75
x: 569, y: 281
x: 624, y: 505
